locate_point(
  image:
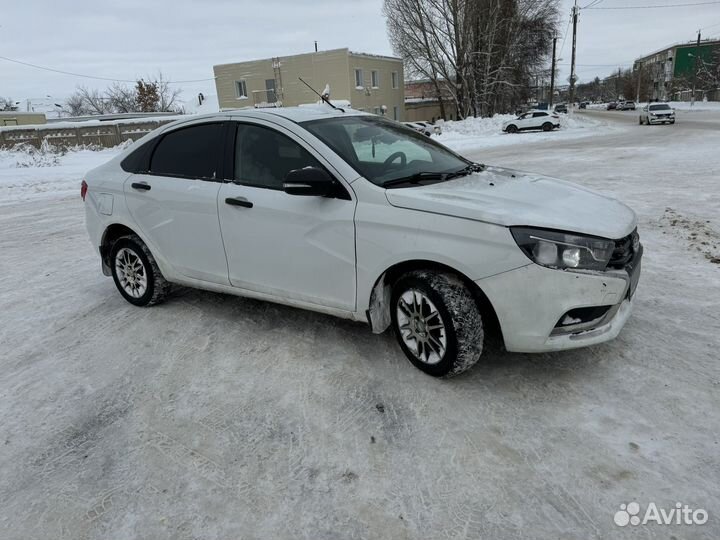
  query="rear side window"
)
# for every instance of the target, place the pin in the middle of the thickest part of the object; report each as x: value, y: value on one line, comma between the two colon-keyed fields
x: 263, y: 157
x: 538, y: 114
x: 137, y: 161
x: 191, y: 152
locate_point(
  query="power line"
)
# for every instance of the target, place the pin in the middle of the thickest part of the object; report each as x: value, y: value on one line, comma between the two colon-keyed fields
x: 656, y: 6
x: 91, y: 76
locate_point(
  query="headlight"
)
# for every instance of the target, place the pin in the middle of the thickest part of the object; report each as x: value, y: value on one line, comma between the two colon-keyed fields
x: 556, y: 249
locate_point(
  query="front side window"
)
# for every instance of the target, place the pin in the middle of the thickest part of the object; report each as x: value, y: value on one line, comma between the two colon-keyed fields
x: 539, y: 114
x: 359, y: 83
x: 240, y: 89
x: 375, y: 79
x: 382, y: 150
x: 263, y: 157
x: 190, y: 152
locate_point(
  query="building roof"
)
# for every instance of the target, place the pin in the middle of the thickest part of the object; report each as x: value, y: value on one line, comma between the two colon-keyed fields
x: 703, y: 42
x: 287, y: 57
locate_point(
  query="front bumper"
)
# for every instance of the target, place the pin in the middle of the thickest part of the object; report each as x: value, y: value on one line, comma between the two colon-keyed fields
x: 530, y: 301
x: 660, y: 119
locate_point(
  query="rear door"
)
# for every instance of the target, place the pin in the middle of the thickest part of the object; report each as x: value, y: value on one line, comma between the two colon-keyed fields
x: 295, y: 247
x: 174, y: 201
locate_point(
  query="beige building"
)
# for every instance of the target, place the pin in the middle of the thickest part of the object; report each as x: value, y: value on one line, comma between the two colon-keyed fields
x: 370, y: 83
x: 18, y: 118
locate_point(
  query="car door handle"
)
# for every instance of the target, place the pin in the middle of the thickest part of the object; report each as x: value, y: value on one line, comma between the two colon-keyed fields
x: 141, y: 185
x: 238, y: 201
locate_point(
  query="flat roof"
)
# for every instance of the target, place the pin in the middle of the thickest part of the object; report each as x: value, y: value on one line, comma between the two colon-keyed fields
x: 683, y: 44
x: 345, y: 49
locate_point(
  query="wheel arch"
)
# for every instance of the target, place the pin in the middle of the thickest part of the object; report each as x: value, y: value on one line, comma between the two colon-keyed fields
x: 110, y: 235
x: 378, y: 313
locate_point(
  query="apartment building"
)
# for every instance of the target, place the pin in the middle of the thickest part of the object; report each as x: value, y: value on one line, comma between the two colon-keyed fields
x: 368, y: 82
x: 667, y: 74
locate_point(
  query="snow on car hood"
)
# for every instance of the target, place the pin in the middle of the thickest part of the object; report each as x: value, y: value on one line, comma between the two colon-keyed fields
x: 507, y: 197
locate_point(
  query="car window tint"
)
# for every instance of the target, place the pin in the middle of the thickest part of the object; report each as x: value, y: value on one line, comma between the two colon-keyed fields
x: 263, y: 157
x: 190, y: 152
x: 537, y: 114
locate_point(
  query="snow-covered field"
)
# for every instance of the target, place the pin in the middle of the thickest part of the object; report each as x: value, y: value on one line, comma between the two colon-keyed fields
x: 216, y: 417
x: 473, y: 133
x: 24, y: 177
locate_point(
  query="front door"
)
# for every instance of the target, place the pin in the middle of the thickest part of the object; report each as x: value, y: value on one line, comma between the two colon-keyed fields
x: 175, y: 202
x: 301, y: 248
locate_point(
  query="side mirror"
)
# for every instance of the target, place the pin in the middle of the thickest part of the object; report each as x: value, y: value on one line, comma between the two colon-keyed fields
x: 310, y: 181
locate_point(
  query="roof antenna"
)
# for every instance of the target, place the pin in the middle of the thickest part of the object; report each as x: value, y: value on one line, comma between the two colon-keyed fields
x: 324, y: 98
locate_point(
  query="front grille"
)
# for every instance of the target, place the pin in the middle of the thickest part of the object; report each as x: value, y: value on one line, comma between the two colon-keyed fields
x: 624, y: 250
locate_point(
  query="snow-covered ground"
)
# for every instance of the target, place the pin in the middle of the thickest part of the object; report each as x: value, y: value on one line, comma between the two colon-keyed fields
x: 487, y: 132
x: 58, y: 177
x: 216, y: 417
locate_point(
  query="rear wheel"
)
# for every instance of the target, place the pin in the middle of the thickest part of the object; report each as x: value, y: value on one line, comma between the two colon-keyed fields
x: 135, y: 272
x: 547, y: 126
x: 512, y: 128
x: 437, y: 322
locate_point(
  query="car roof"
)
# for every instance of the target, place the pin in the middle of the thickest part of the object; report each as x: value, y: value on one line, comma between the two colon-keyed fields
x: 303, y: 113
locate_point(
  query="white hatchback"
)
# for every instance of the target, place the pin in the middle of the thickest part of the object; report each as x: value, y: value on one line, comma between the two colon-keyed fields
x: 360, y: 217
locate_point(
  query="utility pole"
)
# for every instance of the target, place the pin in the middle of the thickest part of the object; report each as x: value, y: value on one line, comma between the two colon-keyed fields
x: 639, y: 82
x: 572, y: 62
x: 552, y: 73
x: 695, y: 69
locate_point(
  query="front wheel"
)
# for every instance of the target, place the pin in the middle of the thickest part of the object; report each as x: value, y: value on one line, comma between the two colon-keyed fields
x: 547, y: 126
x: 437, y: 322
x: 512, y: 128
x: 135, y: 272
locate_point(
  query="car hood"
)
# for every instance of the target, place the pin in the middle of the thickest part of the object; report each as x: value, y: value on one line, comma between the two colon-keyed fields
x: 507, y: 197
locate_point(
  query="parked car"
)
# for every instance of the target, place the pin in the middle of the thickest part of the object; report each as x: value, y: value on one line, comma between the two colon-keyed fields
x: 657, y: 113
x: 612, y: 106
x: 419, y: 127
x: 533, y: 120
x: 354, y: 215
x: 561, y: 108
x: 584, y: 104
x: 626, y: 106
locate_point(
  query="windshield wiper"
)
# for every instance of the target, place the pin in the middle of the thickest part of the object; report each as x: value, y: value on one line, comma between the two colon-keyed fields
x: 417, y: 178
x: 434, y: 176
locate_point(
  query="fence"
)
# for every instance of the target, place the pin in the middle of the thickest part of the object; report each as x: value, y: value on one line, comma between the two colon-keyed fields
x: 105, y: 134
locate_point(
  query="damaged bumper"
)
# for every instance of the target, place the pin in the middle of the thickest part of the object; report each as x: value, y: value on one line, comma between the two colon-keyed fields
x: 541, y: 309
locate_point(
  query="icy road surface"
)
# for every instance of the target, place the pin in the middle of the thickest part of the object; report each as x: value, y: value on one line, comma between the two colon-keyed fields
x: 215, y: 417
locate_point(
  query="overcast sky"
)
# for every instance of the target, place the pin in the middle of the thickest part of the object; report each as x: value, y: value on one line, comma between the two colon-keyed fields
x: 125, y: 39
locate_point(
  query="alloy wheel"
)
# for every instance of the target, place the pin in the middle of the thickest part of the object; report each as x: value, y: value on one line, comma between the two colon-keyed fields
x: 421, y: 327
x: 131, y: 272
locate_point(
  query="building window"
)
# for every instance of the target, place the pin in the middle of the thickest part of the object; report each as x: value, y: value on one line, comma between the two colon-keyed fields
x: 359, y: 79
x: 394, y: 80
x: 375, y: 79
x: 240, y: 89
x: 395, y: 113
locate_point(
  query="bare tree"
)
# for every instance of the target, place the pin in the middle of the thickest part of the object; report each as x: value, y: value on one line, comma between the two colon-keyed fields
x: 482, y: 52
x: 168, y: 97
x: 7, y: 104
x: 122, y: 98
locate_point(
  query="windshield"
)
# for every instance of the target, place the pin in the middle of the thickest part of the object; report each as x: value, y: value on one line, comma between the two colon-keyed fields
x: 382, y: 150
x: 663, y: 107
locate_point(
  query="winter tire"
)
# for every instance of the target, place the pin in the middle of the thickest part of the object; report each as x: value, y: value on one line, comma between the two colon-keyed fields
x: 135, y: 272
x: 437, y: 322
x: 512, y: 128
x: 547, y: 126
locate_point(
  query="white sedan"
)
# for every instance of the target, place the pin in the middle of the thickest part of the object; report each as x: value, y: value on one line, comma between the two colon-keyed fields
x: 542, y: 120
x: 657, y: 113
x: 359, y: 217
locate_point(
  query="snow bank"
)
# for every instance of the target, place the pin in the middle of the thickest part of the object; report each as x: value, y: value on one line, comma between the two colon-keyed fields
x: 478, y: 133
x: 32, y: 174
